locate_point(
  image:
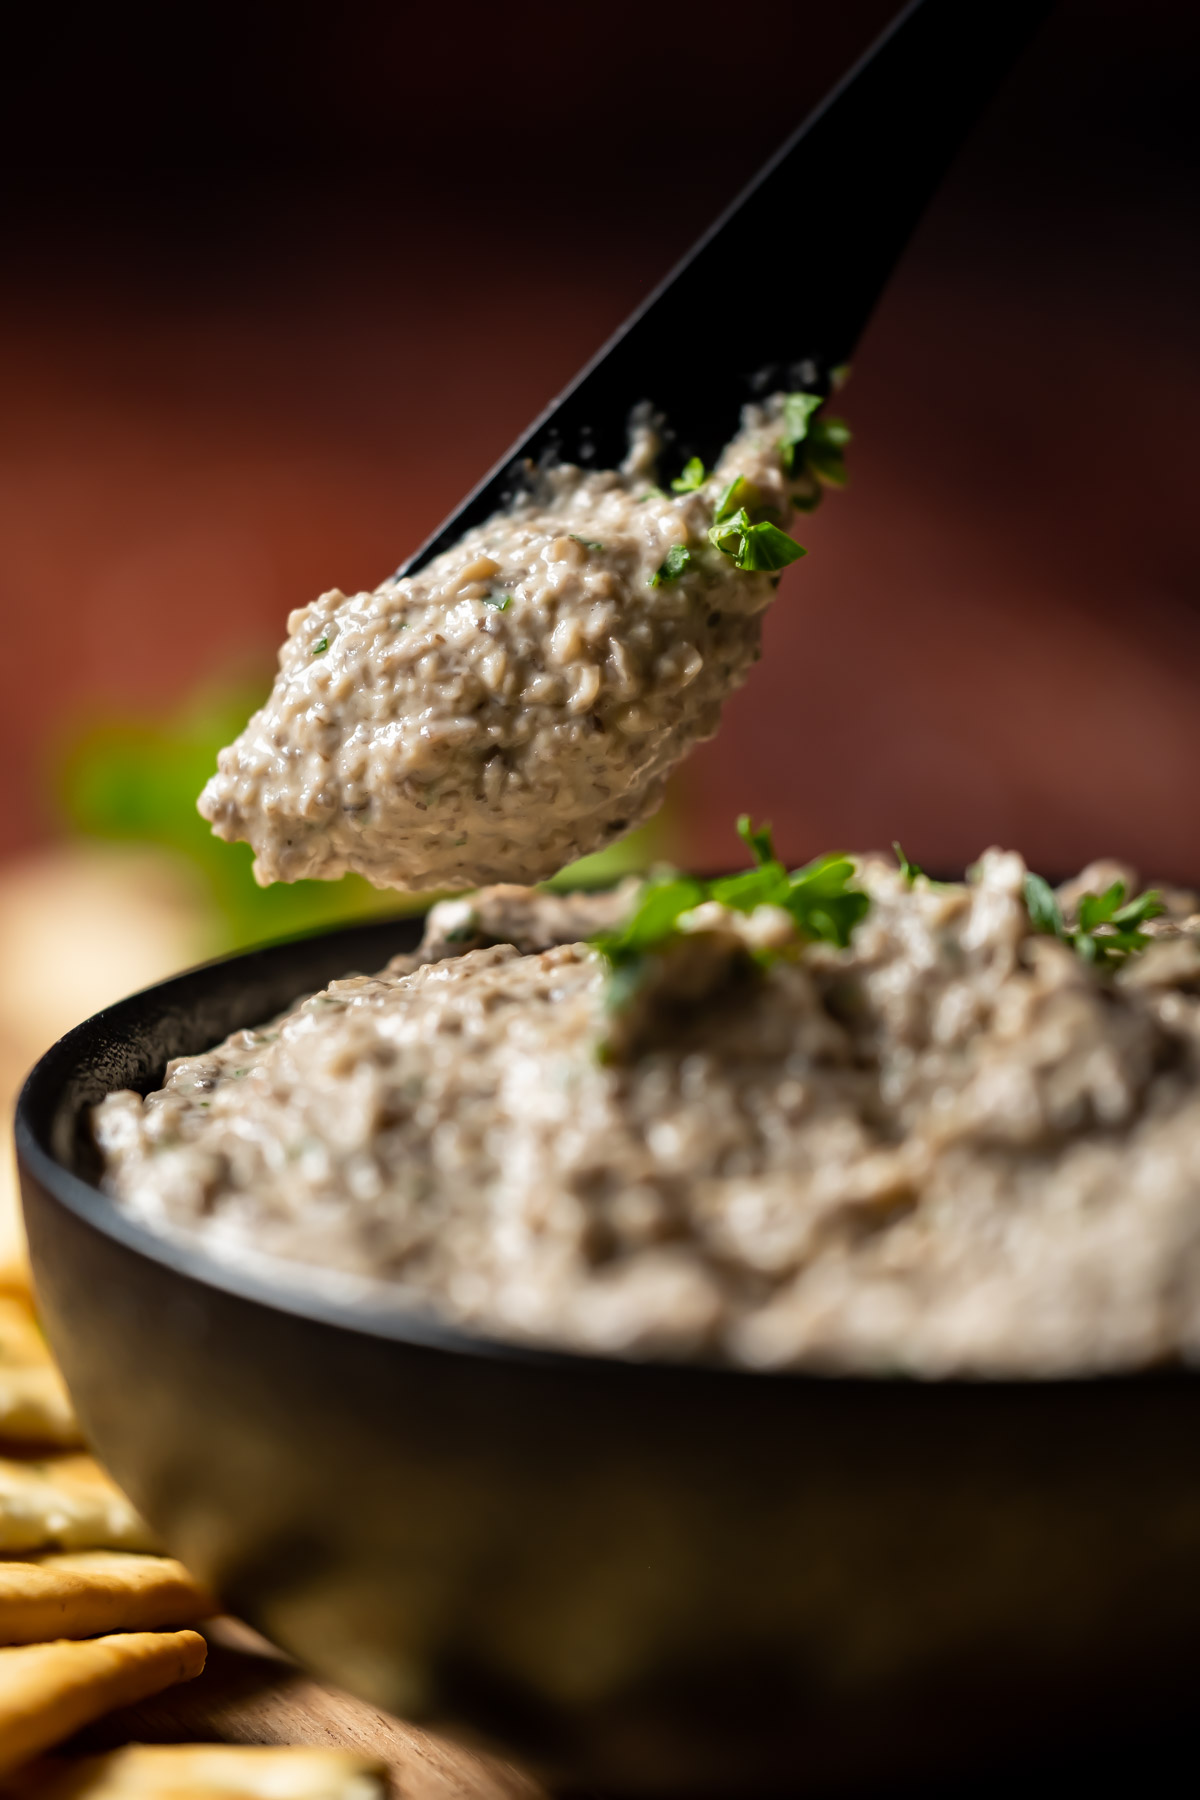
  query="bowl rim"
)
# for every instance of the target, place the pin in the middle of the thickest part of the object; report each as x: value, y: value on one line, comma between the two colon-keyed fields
x: 268, y: 1281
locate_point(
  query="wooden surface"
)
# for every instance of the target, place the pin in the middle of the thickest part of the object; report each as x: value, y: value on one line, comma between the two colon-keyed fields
x: 250, y: 1693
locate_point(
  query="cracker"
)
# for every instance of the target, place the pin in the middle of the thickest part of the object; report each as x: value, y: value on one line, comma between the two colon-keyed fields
x: 49, y: 1691
x: 66, y: 1503
x: 89, y: 1592
x: 35, y: 1407
x: 213, y: 1772
x: 15, y: 1276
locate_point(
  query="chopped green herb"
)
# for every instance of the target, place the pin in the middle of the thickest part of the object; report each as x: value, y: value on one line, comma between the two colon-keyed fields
x: 754, y: 547
x: 588, y: 543
x: 497, y: 602
x: 654, y: 493
x: 676, y: 563
x: 321, y: 645
x: 767, y: 547
x: 823, y: 904
x: 1106, y: 929
x: 693, y: 476
x: 729, y: 535
x: 1044, y: 911
x: 737, y: 496
x: 661, y: 902
x: 758, y: 841
x: 798, y: 410
x: 909, y: 870
x: 827, y: 441
x: 812, y: 448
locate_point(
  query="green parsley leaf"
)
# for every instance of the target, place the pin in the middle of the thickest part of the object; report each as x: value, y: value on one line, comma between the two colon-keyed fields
x: 588, y: 543
x: 1106, y: 925
x: 321, y: 645
x: 1044, y: 911
x: 729, y: 534
x: 766, y: 884
x: 825, y: 450
x: 1098, y: 909
x: 823, y: 903
x: 798, y: 410
x: 1147, y: 906
x: 739, y: 494
x: 676, y: 563
x: 755, y: 547
x: 812, y: 448
x: 824, y: 906
x: 767, y: 547
x: 693, y: 476
x: 758, y: 840
x: 652, y: 921
x: 497, y: 602
x: 909, y: 870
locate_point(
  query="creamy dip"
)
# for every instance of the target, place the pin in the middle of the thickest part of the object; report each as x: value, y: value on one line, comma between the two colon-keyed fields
x: 517, y: 703
x: 953, y: 1147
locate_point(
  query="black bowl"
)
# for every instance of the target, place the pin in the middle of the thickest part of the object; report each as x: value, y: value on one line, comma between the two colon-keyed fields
x: 643, y: 1577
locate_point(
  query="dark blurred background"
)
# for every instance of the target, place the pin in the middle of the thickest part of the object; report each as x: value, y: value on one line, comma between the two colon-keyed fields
x: 282, y: 280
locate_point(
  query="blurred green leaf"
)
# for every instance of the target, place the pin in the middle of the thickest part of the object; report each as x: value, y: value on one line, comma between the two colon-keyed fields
x: 628, y: 856
x: 137, y: 781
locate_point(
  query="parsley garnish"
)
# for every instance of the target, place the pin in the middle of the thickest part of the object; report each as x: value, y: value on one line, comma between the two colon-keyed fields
x: 739, y: 495
x: 322, y: 644
x: 497, y: 602
x: 823, y: 905
x: 693, y: 476
x: 1045, y: 914
x: 912, y: 871
x: 1106, y: 928
x: 758, y: 840
x: 674, y: 564
x: 761, y: 546
x: 819, y: 897
x: 813, y: 448
x: 825, y: 455
x: 588, y: 543
x: 798, y: 410
x: 909, y: 870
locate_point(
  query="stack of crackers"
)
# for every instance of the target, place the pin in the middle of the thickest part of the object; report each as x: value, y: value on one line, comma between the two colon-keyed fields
x: 91, y: 1618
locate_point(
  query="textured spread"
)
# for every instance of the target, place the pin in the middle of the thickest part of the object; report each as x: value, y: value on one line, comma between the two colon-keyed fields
x: 516, y: 704
x: 954, y: 1146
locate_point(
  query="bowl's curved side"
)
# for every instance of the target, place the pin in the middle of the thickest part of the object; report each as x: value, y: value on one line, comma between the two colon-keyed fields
x: 638, y: 1577
x: 647, y: 1577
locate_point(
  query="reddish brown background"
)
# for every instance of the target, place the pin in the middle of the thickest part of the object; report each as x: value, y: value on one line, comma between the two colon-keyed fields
x: 283, y: 280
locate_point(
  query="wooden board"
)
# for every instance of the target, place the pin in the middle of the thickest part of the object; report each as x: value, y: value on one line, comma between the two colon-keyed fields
x: 250, y: 1693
